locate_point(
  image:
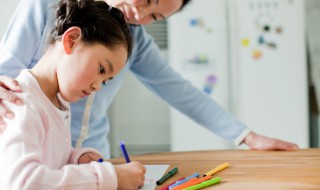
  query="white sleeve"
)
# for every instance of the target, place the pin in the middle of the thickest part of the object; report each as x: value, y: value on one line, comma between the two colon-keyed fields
x: 77, y: 152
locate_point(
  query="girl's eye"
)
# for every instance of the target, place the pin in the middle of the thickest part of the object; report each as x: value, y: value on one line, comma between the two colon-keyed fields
x: 154, y: 17
x: 102, y: 70
x: 104, y: 82
x: 148, y: 2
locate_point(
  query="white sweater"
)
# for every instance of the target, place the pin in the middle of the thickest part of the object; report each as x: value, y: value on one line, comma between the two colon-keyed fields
x: 36, y: 152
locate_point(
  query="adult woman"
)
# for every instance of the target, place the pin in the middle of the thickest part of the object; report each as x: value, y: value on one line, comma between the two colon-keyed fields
x: 90, y: 125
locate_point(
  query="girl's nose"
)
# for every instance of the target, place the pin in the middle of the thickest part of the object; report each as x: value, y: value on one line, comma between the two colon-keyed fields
x: 96, y: 86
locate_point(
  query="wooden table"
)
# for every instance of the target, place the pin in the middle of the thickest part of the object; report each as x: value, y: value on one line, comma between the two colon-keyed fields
x: 249, y: 169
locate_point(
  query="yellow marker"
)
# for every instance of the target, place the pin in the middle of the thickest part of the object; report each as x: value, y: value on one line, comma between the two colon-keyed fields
x: 217, y: 169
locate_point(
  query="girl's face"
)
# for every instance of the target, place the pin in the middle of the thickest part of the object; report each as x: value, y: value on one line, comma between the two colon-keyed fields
x: 146, y: 11
x: 87, y: 67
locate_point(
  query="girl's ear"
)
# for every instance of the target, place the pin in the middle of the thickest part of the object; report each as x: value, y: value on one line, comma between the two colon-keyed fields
x: 70, y: 37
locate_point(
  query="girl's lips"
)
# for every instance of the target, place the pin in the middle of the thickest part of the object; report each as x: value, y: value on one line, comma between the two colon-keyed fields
x: 86, y: 93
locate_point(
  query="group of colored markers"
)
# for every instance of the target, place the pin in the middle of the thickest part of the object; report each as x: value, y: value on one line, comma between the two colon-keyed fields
x: 193, y: 181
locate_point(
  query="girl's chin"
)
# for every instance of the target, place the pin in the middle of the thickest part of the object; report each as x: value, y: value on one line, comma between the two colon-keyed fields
x: 74, y: 99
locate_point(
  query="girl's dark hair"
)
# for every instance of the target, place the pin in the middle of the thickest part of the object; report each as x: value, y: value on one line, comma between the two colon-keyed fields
x: 98, y: 21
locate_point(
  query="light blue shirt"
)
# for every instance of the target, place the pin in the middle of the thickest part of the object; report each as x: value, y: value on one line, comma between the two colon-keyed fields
x: 25, y: 42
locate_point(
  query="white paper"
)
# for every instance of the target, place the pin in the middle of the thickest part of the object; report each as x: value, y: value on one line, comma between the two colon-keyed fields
x: 153, y: 174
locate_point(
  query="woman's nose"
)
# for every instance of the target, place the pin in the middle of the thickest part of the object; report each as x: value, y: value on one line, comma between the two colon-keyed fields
x: 141, y: 12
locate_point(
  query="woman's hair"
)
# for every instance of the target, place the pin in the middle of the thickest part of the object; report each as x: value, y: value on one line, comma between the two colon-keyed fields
x: 98, y: 21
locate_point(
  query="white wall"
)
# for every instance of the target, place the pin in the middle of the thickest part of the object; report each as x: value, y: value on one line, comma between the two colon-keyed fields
x: 313, y: 31
x: 140, y: 119
x: 6, y: 11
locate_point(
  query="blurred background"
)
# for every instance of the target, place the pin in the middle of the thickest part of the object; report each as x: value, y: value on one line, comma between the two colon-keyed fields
x: 260, y: 59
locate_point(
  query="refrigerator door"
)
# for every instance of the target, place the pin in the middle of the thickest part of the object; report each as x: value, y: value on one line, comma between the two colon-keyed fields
x: 269, y: 69
x: 198, y: 51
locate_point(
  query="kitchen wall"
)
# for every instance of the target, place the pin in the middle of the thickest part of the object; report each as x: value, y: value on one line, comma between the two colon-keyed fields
x: 139, y: 117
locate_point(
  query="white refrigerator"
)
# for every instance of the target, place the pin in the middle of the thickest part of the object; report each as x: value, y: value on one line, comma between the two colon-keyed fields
x: 250, y: 57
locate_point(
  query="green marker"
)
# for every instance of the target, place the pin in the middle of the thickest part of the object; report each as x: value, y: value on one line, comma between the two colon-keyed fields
x: 205, y: 184
x: 167, y: 176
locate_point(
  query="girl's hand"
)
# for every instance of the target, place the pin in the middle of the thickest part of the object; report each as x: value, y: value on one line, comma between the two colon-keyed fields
x: 89, y: 157
x: 7, y: 86
x: 130, y: 175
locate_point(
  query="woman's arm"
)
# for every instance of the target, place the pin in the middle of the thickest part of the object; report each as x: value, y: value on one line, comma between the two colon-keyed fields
x: 21, y: 47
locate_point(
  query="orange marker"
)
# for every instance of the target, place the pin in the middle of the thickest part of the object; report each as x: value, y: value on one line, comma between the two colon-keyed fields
x: 191, y: 183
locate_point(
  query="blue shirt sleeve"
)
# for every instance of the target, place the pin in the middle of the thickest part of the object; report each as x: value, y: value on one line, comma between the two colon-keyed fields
x: 153, y: 70
x: 23, y: 43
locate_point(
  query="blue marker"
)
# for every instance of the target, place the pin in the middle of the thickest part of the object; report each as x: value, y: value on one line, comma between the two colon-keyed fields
x: 184, y: 180
x: 124, y: 151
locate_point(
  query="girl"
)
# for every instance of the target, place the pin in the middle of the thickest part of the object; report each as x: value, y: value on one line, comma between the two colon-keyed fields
x: 89, y: 45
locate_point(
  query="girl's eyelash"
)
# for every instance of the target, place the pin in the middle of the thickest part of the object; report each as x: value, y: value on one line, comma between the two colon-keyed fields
x: 104, y: 82
x: 102, y: 70
x: 154, y: 17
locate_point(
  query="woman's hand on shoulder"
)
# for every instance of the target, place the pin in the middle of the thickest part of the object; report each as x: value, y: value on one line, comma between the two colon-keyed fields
x: 7, y: 87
